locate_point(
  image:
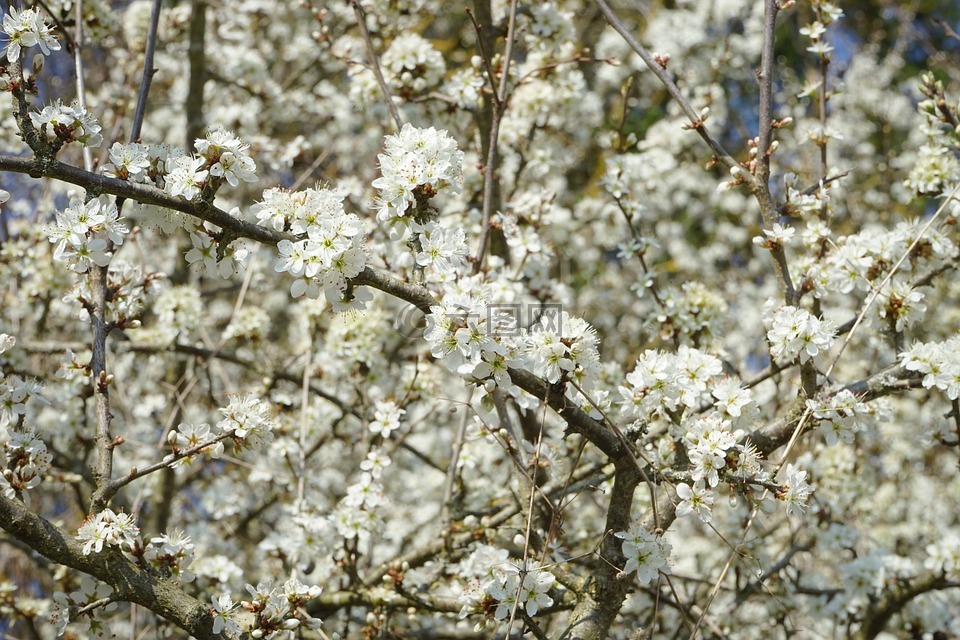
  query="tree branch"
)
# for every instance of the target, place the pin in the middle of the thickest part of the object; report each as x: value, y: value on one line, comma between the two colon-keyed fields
x: 142, y: 193
x: 130, y: 582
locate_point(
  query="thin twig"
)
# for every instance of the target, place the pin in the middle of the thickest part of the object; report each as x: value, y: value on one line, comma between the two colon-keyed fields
x: 81, y: 86
x: 490, y: 168
x: 148, y: 71
x: 696, y: 121
x: 767, y: 60
x: 169, y: 461
x: 452, y: 468
x: 96, y: 604
x: 484, y: 56
x: 375, y: 64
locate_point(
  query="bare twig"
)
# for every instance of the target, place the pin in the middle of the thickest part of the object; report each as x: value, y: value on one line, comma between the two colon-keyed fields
x: 197, y: 65
x: 658, y: 70
x: 498, y: 100
x: 375, y: 64
x: 78, y: 69
x: 148, y: 71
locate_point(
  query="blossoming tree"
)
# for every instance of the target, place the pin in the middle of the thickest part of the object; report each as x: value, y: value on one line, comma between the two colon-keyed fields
x: 410, y: 319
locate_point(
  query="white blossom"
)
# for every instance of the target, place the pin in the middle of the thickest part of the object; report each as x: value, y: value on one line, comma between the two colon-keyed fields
x: 646, y: 553
x: 26, y: 28
x: 108, y: 528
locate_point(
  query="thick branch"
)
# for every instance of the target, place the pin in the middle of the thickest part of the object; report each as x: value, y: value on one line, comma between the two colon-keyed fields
x: 578, y: 420
x: 130, y: 582
x: 598, y: 608
x: 100, y: 380
x: 895, y: 599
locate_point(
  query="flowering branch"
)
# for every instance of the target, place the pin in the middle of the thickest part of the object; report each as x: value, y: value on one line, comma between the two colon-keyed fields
x: 145, y: 194
x: 168, y: 462
x: 130, y: 582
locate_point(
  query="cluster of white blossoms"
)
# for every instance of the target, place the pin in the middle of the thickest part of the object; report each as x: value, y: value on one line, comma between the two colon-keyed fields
x: 646, y: 553
x: 417, y: 163
x: 171, y: 555
x: 108, y: 528
x: 413, y: 63
x: 496, y: 583
x: 247, y: 418
x: 796, y: 490
x: 693, y: 310
x: 227, y: 157
x: 778, y: 236
x: 25, y: 29
x: 68, y: 124
x: 222, y: 157
x: 82, y: 230
x: 842, y: 415
x: 202, y: 257
x: 444, y: 250
x: 667, y: 385
x: 935, y: 169
x: 938, y: 362
x: 15, y: 392
x: 188, y: 436
x: 483, y: 341
x: 944, y: 556
x: 713, y: 448
x: 561, y: 345
x: 463, y: 333
x: 708, y: 440
x: 525, y: 587
x: 225, y: 614
x: 901, y: 305
x: 662, y: 382
x: 828, y: 13
x: 251, y: 323
x: 794, y: 332
x: 358, y: 514
x: 280, y: 608
x: 332, y: 252
x: 27, y: 461
x: 861, y: 261
x: 179, y: 310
